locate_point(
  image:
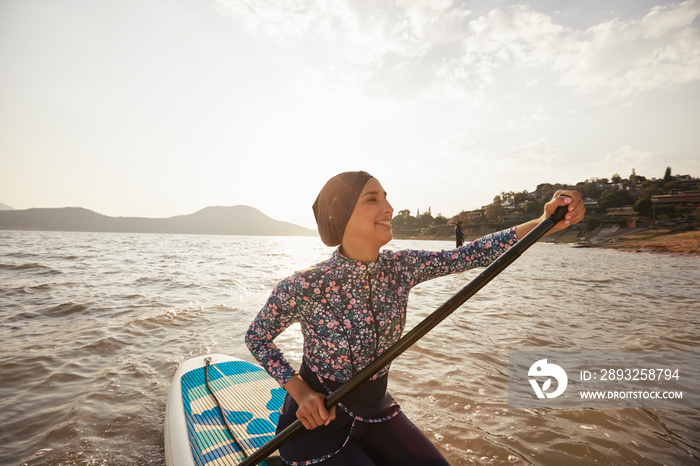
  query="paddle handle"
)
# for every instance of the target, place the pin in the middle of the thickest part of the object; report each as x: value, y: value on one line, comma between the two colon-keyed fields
x: 560, y: 213
x: 417, y: 332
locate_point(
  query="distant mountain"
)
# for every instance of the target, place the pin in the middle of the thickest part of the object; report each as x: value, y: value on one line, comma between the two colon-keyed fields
x: 5, y: 207
x: 236, y: 220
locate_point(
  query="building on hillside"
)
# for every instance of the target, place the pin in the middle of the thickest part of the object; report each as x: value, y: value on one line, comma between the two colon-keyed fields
x: 591, y: 205
x: 626, y: 215
x: 686, y: 199
x: 626, y: 211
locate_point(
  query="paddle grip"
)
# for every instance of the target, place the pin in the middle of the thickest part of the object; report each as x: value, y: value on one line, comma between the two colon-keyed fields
x: 560, y: 213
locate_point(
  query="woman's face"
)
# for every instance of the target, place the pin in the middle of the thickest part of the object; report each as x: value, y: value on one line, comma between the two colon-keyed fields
x: 370, y: 222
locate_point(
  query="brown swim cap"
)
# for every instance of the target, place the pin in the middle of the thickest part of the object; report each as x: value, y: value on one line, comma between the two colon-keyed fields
x: 335, y: 203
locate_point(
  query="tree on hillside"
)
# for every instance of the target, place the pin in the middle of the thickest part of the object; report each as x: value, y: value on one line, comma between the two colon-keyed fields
x: 533, y: 208
x: 440, y: 220
x: 495, y: 212
x: 426, y: 219
x: 667, y: 176
x: 520, y: 198
x: 672, y: 185
x: 648, y: 189
x: 614, y: 198
x: 404, y: 221
x: 589, y: 188
x: 546, y: 190
x: 634, y: 178
x: 474, y: 217
x: 644, y: 207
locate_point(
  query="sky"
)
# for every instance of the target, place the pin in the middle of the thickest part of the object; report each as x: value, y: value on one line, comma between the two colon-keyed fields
x: 156, y: 108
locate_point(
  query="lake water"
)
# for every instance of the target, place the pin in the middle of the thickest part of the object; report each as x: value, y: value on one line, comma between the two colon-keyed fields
x: 94, y: 325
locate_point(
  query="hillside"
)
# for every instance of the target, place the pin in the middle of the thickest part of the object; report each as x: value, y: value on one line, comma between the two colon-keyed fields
x: 236, y: 220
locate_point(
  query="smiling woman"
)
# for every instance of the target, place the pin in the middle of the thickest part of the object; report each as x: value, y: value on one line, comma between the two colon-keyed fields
x: 352, y: 308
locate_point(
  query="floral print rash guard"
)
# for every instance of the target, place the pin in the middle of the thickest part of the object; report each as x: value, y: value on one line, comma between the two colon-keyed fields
x: 350, y: 311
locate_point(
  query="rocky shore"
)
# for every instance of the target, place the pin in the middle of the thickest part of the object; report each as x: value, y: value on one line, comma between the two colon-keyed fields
x: 659, y: 241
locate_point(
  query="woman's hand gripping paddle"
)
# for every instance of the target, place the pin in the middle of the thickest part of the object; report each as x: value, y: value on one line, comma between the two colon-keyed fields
x: 418, y: 331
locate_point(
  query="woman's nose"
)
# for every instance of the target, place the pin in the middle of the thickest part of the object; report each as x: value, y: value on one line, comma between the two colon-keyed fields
x: 389, y: 208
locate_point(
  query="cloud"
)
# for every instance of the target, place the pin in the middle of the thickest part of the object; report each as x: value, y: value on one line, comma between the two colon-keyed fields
x: 460, y: 150
x: 423, y: 49
x: 630, y: 57
x: 623, y: 58
x: 538, y: 115
x: 534, y: 154
x: 515, y: 34
x: 399, y: 47
x: 623, y: 160
x: 278, y: 20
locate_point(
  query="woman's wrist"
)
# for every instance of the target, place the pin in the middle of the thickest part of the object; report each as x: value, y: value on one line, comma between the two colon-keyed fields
x: 298, y: 388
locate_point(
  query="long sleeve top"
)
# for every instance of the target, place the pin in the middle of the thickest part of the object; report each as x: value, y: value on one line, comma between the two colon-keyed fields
x: 350, y: 312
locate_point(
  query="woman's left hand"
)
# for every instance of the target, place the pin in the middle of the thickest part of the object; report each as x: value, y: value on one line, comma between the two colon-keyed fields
x: 576, y: 208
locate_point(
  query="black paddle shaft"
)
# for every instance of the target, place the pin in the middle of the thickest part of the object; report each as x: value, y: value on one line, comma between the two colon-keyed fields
x: 417, y: 332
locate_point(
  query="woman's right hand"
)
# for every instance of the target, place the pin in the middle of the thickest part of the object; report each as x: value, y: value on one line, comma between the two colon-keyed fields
x: 312, y: 411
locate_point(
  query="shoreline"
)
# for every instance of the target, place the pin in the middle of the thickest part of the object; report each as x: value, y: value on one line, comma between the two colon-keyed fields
x: 686, y: 242
x: 651, y: 241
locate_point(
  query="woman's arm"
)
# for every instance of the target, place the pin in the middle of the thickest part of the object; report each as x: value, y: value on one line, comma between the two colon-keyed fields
x: 425, y: 265
x: 419, y: 266
x: 278, y: 313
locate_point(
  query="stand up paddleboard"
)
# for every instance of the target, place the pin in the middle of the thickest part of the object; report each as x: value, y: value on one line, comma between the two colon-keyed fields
x: 222, y: 420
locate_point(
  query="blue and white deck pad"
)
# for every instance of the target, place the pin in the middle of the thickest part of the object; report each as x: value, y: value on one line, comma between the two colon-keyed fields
x: 250, y: 400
